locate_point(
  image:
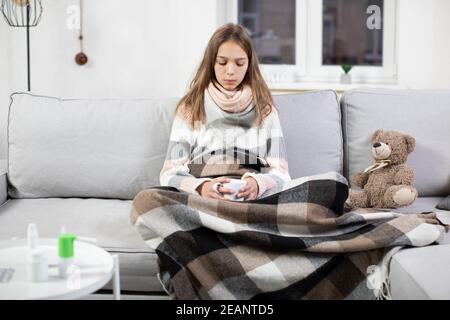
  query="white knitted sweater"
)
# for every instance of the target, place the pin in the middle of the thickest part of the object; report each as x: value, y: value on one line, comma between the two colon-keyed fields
x: 226, y: 140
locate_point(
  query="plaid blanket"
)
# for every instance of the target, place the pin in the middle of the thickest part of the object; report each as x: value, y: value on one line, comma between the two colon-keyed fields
x: 298, y: 243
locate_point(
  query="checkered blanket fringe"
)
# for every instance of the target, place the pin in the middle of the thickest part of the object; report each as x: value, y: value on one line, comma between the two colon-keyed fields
x: 299, y: 243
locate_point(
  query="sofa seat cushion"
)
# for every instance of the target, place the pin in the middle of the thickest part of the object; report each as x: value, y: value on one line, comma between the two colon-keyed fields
x: 427, y: 204
x: 106, y: 220
x: 422, y: 204
x: 444, y: 204
x: 421, y: 273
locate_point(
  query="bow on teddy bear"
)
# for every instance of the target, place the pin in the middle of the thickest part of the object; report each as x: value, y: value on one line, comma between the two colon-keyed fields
x: 387, y: 183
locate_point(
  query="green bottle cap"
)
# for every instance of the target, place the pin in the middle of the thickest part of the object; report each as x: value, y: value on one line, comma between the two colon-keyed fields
x: 65, y: 244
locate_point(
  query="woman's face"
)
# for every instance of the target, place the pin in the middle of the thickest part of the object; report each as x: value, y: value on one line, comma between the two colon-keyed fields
x: 231, y: 65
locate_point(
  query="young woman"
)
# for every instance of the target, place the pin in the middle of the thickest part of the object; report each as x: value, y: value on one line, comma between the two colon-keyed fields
x: 226, y: 125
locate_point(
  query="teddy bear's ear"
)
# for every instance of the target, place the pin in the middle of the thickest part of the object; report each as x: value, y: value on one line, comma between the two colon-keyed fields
x: 410, y: 143
x: 376, y: 134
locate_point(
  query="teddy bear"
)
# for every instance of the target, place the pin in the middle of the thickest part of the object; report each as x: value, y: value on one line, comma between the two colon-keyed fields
x: 388, y: 182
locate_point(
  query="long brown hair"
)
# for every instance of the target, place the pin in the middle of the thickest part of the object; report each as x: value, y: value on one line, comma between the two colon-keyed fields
x: 191, y: 106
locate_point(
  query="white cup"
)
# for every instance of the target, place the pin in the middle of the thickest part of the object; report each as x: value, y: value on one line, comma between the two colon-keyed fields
x: 235, y: 185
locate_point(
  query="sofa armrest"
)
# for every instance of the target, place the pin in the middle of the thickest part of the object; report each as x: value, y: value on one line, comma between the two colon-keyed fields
x: 3, y: 188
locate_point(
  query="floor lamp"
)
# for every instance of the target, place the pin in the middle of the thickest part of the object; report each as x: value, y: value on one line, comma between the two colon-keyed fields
x: 23, y: 13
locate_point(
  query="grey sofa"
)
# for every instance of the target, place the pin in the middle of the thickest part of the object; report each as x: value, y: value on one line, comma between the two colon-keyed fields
x: 79, y: 162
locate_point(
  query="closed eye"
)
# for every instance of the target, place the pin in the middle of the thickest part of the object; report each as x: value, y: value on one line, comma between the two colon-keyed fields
x: 224, y: 63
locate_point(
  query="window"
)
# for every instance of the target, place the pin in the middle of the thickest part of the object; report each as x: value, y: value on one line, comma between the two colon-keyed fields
x: 308, y: 40
x: 346, y: 38
x: 272, y: 27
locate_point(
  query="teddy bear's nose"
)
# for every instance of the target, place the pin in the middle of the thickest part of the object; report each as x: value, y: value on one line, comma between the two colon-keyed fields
x: 376, y: 144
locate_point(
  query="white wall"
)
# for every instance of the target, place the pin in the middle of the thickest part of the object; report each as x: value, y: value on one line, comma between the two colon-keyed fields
x: 415, y: 42
x: 441, y: 45
x: 138, y: 48
x: 5, y: 75
x: 423, y: 43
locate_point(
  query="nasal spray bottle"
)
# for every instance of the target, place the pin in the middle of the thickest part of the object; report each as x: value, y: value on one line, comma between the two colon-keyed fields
x: 65, y: 252
x: 37, y: 260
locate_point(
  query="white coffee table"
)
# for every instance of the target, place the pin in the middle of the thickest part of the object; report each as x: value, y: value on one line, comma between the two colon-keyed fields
x: 94, y: 267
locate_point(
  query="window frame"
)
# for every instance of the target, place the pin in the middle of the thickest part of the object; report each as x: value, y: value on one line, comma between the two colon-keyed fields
x: 308, y: 40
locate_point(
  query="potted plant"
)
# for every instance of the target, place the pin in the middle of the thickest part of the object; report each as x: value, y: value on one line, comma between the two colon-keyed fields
x: 346, y: 77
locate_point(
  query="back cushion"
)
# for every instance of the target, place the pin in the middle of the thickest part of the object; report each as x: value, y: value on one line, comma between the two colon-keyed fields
x: 113, y: 148
x: 311, y: 124
x: 107, y: 148
x: 424, y: 114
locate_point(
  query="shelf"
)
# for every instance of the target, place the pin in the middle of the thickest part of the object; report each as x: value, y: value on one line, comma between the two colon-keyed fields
x: 338, y: 87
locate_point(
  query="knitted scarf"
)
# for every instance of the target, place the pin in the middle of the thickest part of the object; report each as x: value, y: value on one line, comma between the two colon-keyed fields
x: 231, y: 101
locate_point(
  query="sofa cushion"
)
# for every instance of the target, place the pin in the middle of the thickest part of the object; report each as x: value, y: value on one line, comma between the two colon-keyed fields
x: 311, y: 124
x: 422, y: 113
x: 421, y: 273
x: 104, y: 148
x: 106, y: 220
x: 444, y: 204
x: 421, y: 204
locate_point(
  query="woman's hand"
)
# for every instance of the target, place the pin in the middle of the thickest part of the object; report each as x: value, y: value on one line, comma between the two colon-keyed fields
x: 206, y: 189
x: 250, y: 190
